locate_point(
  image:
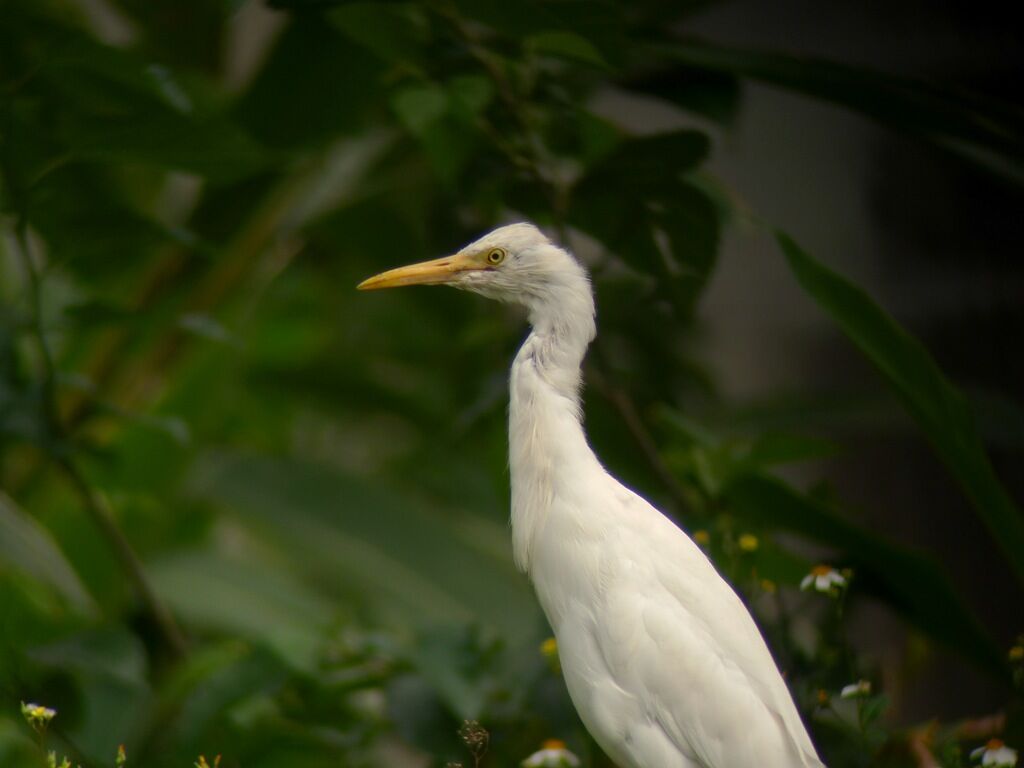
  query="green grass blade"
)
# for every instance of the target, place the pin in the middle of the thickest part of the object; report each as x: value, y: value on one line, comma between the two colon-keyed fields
x: 938, y: 407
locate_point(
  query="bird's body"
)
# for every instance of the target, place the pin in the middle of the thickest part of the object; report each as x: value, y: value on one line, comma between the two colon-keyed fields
x: 662, y: 660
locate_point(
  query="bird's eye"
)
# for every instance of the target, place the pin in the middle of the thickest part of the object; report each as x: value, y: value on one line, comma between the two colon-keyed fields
x: 495, y: 257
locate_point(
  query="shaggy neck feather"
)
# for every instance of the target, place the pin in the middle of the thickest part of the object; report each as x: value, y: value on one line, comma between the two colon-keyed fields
x: 546, y: 437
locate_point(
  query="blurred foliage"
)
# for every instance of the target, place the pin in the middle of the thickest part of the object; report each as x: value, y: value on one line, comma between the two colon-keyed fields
x: 247, y: 511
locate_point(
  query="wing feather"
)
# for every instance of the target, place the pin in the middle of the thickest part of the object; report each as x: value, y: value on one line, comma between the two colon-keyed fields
x: 677, y: 636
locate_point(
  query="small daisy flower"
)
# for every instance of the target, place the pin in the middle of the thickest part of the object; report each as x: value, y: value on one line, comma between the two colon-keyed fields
x: 702, y: 537
x: 824, y: 578
x: 552, y: 754
x: 37, y: 715
x: 122, y: 758
x: 857, y: 690
x: 748, y: 542
x: 995, y: 754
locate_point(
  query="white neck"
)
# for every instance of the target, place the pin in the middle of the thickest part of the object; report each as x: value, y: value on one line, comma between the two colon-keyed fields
x: 546, y: 438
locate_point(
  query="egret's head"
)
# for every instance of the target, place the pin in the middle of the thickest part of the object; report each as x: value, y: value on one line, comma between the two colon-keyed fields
x: 515, y: 263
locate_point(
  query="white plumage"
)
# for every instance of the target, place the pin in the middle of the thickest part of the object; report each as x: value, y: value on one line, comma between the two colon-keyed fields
x: 662, y: 660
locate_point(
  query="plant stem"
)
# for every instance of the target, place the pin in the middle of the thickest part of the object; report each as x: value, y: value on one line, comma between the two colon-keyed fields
x: 630, y: 416
x: 94, y: 503
x: 99, y: 510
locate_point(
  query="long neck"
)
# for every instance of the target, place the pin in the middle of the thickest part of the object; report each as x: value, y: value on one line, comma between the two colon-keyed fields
x: 546, y: 439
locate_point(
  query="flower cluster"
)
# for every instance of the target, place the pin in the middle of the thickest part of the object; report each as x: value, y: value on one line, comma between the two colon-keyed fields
x: 475, y: 737
x: 37, y: 715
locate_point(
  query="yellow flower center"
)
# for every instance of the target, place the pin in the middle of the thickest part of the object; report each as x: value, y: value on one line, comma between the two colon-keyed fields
x: 994, y: 744
x: 821, y: 570
x: 553, y: 744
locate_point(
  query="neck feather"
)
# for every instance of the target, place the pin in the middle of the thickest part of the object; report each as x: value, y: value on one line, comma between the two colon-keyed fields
x: 546, y: 438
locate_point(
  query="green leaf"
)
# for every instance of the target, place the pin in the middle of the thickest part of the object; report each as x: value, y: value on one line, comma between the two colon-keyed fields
x: 200, y: 694
x: 461, y: 666
x: 393, y: 32
x: 401, y: 559
x: 442, y: 118
x: 908, y: 581
x: 315, y: 84
x: 28, y: 547
x: 937, y: 406
x: 566, y: 45
x: 981, y: 129
x: 109, y: 667
x: 652, y: 164
x: 773, y: 449
x: 255, y: 601
x: 215, y: 149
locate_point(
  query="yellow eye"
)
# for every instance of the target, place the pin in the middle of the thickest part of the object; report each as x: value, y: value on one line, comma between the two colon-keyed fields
x: 495, y: 257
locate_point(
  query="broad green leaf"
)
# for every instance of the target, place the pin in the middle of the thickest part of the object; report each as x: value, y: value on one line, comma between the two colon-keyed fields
x: 241, y: 598
x: 907, y: 580
x: 441, y: 117
x: 938, y: 407
x: 397, y: 558
x: 16, y: 744
x: 979, y: 128
x: 27, y: 547
x: 200, y: 694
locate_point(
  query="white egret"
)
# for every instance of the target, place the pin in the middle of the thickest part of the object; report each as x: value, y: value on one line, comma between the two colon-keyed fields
x: 661, y: 658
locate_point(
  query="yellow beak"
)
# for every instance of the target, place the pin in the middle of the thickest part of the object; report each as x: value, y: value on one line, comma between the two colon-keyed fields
x: 425, y: 273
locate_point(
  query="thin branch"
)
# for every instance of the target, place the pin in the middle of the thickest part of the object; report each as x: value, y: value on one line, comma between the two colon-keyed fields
x: 630, y: 416
x: 99, y: 510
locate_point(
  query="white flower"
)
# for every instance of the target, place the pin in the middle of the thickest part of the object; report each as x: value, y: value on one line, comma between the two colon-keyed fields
x: 824, y: 578
x: 37, y: 715
x: 995, y: 754
x: 856, y: 690
x: 552, y: 754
